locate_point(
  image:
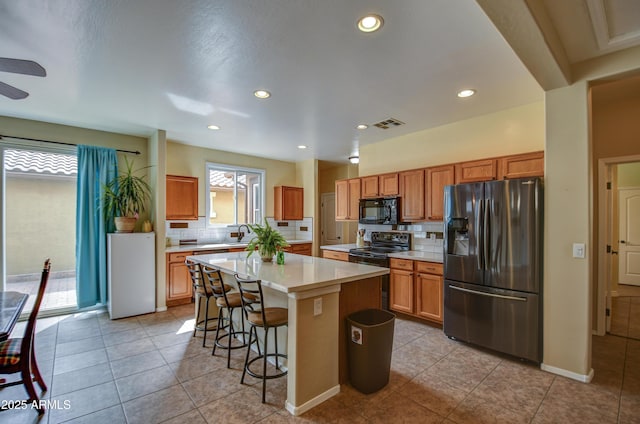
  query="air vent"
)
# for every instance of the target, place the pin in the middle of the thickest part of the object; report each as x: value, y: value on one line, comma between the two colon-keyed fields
x: 388, y: 123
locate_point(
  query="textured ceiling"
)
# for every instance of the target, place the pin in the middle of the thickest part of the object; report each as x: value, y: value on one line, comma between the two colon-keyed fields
x: 136, y: 66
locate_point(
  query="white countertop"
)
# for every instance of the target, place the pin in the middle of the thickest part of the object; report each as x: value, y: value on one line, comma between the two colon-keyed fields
x: 419, y: 255
x: 339, y: 247
x: 299, y: 272
x: 217, y: 246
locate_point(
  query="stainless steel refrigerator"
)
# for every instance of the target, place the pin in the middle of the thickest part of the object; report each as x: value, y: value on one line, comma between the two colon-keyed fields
x: 493, y: 265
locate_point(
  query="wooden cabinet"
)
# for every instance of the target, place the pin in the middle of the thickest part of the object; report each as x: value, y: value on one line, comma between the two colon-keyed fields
x: 334, y: 254
x: 182, y: 197
x: 369, y: 186
x: 388, y: 184
x: 179, y: 285
x: 384, y: 185
x: 416, y: 288
x: 347, y: 199
x: 437, y: 179
x: 401, y: 285
x: 429, y: 290
x: 300, y: 249
x: 521, y: 166
x: 412, y: 194
x: 477, y: 170
x: 288, y: 203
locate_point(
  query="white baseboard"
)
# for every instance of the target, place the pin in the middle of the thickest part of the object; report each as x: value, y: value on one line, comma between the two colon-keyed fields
x: 585, y: 378
x: 161, y: 309
x: 298, y: 410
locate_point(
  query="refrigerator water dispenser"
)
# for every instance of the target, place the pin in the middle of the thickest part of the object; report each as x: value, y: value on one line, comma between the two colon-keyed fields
x: 458, y: 236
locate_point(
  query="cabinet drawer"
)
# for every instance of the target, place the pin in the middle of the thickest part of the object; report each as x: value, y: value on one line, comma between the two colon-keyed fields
x: 333, y: 254
x: 406, y: 264
x: 428, y: 268
x: 178, y: 256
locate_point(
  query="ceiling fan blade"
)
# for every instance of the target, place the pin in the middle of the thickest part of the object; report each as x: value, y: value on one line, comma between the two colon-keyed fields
x: 12, y: 92
x: 20, y: 66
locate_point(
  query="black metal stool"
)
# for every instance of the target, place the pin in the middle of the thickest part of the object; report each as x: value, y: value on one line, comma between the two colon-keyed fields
x: 212, y: 277
x: 201, y: 292
x: 257, y: 315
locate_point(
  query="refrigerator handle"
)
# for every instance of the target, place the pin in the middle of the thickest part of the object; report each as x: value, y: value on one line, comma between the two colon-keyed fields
x: 485, y: 237
x: 499, y: 296
x: 479, y: 235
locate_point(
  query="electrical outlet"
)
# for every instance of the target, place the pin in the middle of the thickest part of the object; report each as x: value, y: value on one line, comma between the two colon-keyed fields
x: 578, y: 250
x: 317, y: 306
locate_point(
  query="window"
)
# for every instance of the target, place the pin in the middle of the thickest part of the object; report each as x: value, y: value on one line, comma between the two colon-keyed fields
x: 234, y: 195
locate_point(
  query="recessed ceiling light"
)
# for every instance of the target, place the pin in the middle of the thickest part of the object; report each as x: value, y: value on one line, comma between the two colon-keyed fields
x: 354, y: 159
x: 370, y: 23
x: 262, y: 94
x: 213, y: 127
x: 362, y: 126
x: 302, y: 146
x: 466, y: 93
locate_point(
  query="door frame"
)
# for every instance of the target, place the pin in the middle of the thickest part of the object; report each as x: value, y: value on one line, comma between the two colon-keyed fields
x: 605, y: 204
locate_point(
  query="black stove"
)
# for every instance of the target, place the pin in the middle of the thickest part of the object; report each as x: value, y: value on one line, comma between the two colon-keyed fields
x: 382, y: 243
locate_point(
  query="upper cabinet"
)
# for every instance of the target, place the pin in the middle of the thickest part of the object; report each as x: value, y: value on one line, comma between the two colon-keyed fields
x: 384, y: 185
x: 347, y: 199
x: 412, y: 195
x: 437, y: 179
x: 521, y: 166
x: 182, y: 197
x: 288, y: 203
x: 477, y: 170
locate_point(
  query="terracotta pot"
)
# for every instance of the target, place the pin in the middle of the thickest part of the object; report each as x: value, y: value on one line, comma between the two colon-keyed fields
x: 125, y: 224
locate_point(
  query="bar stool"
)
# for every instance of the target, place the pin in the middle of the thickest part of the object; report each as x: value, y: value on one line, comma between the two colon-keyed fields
x: 201, y: 292
x: 212, y: 277
x: 257, y: 315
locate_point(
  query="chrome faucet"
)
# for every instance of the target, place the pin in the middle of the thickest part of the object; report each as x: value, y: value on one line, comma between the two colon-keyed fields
x: 241, y: 234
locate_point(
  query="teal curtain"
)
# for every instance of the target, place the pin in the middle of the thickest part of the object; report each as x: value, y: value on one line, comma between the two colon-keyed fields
x: 96, y: 166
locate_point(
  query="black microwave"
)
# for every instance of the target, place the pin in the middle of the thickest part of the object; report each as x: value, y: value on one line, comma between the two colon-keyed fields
x: 379, y: 211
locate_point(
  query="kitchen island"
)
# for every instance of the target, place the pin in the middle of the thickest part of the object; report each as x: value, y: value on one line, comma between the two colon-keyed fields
x: 319, y: 294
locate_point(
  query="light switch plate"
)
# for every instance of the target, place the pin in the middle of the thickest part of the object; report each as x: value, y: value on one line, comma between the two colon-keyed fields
x: 578, y: 250
x: 317, y: 306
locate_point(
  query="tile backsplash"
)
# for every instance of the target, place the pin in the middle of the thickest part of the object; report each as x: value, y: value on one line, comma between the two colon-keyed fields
x: 291, y: 230
x: 426, y: 236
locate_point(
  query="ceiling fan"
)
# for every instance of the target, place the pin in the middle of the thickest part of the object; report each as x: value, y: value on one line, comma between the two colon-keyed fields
x: 18, y: 66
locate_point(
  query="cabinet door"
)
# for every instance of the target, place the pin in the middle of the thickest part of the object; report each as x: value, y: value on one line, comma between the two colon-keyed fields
x: 412, y: 195
x: 288, y: 203
x: 429, y: 296
x: 342, y: 200
x: 369, y: 186
x: 401, y: 290
x: 388, y: 185
x: 521, y: 166
x: 354, y: 199
x: 437, y: 179
x: 180, y: 286
x: 477, y: 170
x: 182, y: 197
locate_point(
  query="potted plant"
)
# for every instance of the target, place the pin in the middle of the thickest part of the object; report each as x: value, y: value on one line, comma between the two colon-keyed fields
x: 125, y: 197
x: 266, y: 240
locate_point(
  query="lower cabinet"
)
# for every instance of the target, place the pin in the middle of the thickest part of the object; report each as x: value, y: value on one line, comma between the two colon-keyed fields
x: 300, y: 249
x: 335, y: 254
x: 416, y: 288
x: 179, y: 285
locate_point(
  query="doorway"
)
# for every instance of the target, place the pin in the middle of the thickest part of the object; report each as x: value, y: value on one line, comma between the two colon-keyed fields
x: 40, y: 219
x: 619, y: 265
x: 331, y: 230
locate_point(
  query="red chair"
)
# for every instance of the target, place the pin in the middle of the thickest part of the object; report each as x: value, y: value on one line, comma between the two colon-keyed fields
x: 17, y: 354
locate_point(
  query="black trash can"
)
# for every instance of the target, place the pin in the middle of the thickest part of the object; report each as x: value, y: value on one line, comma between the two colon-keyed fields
x: 370, y: 341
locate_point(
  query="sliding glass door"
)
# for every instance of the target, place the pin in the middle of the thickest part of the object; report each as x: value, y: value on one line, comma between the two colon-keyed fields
x: 40, y: 216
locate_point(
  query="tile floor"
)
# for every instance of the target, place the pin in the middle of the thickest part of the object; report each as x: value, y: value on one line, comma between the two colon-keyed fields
x: 60, y: 293
x: 625, y: 316
x: 149, y: 369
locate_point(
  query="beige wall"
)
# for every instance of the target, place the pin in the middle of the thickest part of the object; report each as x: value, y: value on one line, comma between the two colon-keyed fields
x: 41, y: 223
x: 307, y: 177
x: 191, y: 161
x: 510, y: 131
